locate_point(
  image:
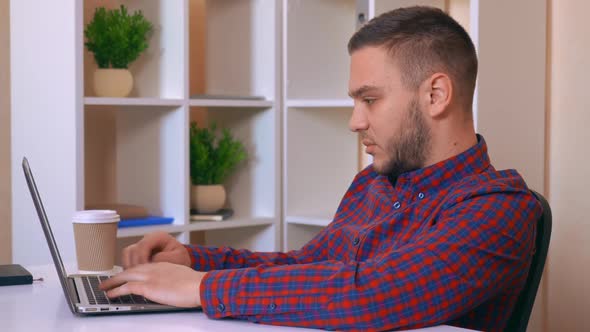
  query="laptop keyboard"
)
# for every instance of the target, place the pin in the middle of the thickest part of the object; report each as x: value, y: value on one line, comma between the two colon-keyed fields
x: 97, y: 296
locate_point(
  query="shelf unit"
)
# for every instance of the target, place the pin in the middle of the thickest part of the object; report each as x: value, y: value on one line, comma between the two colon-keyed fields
x: 228, y: 52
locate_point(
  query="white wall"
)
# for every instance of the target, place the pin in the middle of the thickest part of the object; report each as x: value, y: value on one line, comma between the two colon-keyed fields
x: 5, y: 215
x: 569, y: 167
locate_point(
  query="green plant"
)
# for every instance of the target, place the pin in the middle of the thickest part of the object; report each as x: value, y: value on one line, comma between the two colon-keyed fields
x: 212, y: 156
x: 117, y: 38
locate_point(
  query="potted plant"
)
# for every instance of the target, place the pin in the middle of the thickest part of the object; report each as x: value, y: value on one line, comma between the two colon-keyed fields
x: 213, y: 158
x: 116, y: 39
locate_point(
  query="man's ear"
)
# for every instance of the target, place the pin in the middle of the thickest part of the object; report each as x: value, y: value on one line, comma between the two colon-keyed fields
x: 437, y: 93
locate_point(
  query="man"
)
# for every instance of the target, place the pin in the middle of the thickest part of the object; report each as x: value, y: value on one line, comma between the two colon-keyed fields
x: 430, y: 233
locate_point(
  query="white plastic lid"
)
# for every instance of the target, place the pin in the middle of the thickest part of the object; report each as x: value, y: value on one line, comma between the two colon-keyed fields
x: 96, y: 216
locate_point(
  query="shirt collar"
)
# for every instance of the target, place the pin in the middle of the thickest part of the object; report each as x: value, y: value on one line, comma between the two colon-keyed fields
x: 472, y: 161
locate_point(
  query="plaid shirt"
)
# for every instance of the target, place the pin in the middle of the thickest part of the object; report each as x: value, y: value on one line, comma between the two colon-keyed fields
x: 450, y: 243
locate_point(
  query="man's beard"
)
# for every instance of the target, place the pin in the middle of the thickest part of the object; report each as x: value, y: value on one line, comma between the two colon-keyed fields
x: 408, y: 150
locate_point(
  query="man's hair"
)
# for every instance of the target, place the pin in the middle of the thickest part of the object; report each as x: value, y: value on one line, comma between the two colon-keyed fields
x: 423, y: 41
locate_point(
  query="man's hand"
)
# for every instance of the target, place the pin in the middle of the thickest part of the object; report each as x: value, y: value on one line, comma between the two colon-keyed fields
x: 164, y: 283
x: 156, y: 247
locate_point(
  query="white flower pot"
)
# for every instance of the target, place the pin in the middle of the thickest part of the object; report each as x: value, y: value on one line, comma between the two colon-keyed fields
x: 109, y: 82
x: 207, y: 198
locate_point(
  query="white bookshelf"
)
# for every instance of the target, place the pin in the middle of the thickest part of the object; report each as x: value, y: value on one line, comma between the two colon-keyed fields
x: 135, y: 150
x: 151, y: 126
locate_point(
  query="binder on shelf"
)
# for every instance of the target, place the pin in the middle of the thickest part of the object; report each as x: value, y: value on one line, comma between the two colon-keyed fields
x: 220, y: 215
x: 147, y: 221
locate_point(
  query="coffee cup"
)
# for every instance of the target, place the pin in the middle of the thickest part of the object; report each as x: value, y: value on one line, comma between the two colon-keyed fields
x: 95, y: 233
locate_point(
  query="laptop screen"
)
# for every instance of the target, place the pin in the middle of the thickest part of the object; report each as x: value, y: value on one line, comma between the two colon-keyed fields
x: 61, y: 272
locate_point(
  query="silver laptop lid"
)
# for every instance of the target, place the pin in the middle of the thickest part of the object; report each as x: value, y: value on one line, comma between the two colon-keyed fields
x: 61, y: 272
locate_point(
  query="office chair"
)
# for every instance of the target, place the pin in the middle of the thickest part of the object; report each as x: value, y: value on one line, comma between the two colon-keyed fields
x: 519, y: 318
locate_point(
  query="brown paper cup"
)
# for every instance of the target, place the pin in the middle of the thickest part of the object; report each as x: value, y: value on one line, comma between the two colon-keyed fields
x: 95, y: 232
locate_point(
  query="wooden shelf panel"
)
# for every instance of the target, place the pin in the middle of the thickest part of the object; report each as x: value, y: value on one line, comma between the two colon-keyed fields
x: 246, y: 103
x: 309, y: 221
x: 312, y: 103
x: 195, y: 226
x: 104, y: 101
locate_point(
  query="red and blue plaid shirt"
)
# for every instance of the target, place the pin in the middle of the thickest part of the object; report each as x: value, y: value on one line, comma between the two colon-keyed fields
x: 450, y: 243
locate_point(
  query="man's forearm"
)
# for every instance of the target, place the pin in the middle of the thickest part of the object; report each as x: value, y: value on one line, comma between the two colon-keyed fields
x: 209, y: 258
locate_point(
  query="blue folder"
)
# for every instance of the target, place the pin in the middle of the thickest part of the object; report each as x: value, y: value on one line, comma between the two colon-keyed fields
x: 148, y: 221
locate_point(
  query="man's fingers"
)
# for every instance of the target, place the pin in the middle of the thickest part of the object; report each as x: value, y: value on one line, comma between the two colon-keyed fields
x: 126, y: 256
x: 134, y: 255
x: 134, y: 274
x: 154, y: 241
x: 179, y: 256
x: 165, y: 256
x: 165, y: 283
x: 138, y: 256
x: 141, y: 252
x: 131, y: 287
x: 111, y: 283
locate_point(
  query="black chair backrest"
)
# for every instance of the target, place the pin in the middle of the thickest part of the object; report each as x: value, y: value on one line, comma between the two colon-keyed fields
x: 519, y: 318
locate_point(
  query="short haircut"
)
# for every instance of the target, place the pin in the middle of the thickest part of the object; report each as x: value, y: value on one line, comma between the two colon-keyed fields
x: 423, y: 41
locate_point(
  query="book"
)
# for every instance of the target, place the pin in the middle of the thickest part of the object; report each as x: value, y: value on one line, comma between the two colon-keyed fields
x: 220, y: 215
x: 147, y: 221
x: 14, y: 274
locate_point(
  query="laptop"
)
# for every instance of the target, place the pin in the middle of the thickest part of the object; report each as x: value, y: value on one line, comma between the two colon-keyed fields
x: 82, y: 293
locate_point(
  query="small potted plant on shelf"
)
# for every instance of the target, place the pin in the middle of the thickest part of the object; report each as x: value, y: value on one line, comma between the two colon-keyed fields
x: 213, y: 158
x: 116, y: 39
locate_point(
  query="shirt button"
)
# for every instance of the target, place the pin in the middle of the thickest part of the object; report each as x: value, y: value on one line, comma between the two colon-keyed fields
x: 272, y: 306
x: 356, y: 241
x: 421, y: 195
x: 221, y: 307
x: 396, y: 205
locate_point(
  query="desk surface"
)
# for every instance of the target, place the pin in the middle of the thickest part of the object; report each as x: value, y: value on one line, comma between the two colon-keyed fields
x: 42, y: 307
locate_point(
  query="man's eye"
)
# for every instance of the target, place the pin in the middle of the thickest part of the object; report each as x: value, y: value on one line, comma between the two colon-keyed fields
x: 369, y: 101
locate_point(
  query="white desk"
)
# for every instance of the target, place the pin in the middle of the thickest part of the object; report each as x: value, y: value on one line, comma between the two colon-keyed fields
x: 42, y: 307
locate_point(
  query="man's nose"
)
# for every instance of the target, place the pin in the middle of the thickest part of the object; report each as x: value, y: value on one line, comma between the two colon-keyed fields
x: 358, y: 120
